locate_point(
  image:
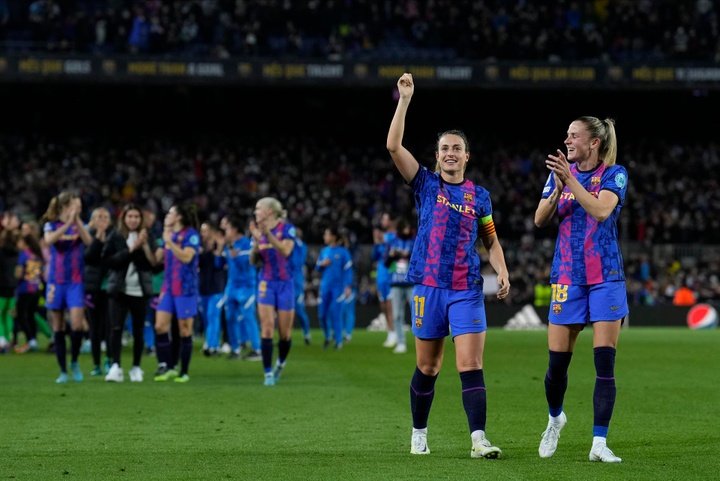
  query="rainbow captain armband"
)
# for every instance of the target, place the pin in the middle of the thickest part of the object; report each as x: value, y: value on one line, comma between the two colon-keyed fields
x: 487, y: 226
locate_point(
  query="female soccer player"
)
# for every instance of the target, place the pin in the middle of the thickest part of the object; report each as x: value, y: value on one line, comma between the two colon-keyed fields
x: 240, y: 291
x: 129, y: 255
x: 335, y: 266
x: 397, y: 259
x: 298, y: 258
x: 29, y: 273
x: 212, y: 285
x: 587, y: 190
x: 274, y: 240
x: 453, y: 213
x: 179, y: 294
x: 67, y: 237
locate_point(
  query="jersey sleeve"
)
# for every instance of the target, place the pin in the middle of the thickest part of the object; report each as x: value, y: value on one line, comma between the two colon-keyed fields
x: 549, y: 186
x: 192, y: 240
x: 616, y: 180
x: 419, y: 182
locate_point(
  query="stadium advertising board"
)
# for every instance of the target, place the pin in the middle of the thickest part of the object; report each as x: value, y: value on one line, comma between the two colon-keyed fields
x: 518, y: 75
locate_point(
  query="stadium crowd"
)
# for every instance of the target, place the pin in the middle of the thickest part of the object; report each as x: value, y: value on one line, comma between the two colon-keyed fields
x: 567, y: 30
x: 352, y: 185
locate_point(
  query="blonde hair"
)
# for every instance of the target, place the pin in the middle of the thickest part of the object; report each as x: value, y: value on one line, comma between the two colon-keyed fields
x: 274, y: 206
x: 605, y: 131
x: 57, y: 204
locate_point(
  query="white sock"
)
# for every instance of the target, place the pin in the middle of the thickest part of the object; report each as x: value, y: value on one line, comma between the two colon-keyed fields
x: 599, y: 440
x: 556, y: 419
x: 423, y: 430
x: 477, y: 435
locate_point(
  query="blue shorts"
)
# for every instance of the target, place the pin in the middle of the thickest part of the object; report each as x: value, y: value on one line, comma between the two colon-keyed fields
x: 279, y: 294
x: 64, y: 296
x: 183, y: 307
x: 583, y: 304
x: 438, y: 312
x: 383, y: 290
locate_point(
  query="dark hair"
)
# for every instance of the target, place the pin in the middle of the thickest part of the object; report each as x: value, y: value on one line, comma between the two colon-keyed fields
x: 401, y: 225
x: 335, y: 232
x: 188, y: 214
x: 57, y: 204
x: 122, y: 227
x: 33, y: 244
x: 235, y: 222
x: 459, y: 133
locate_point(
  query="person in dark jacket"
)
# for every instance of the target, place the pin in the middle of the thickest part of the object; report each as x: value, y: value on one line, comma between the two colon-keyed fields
x: 9, y: 234
x: 96, y: 302
x: 129, y: 256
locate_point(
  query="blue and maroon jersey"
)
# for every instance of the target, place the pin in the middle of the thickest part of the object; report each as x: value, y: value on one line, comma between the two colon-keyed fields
x: 67, y: 255
x: 450, y: 217
x: 182, y: 279
x: 32, y: 269
x: 587, y: 251
x: 276, y: 267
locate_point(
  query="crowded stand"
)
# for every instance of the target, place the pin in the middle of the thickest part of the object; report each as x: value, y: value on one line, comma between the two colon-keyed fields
x: 564, y: 31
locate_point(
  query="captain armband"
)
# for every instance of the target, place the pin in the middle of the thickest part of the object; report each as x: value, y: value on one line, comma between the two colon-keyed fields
x: 487, y: 226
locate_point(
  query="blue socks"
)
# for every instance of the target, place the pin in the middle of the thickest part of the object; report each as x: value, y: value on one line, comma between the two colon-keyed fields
x: 162, y: 346
x: 422, y: 392
x: 60, y: 350
x: 556, y: 381
x: 283, y: 350
x: 186, y: 346
x: 604, y: 394
x: 266, y: 347
x: 474, y: 399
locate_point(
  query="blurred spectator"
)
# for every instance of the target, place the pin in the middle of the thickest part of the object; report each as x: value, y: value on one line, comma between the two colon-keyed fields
x: 684, y: 296
x: 567, y: 30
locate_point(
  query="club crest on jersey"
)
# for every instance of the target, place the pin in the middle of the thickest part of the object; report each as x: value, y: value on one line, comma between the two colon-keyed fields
x: 557, y: 308
x: 468, y: 197
x: 418, y: 322
x: 595, y: 181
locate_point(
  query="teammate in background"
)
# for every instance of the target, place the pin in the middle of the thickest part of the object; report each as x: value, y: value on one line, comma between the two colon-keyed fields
x: 397, y: 260
x: 32, y: 228
x: 349, y: 301
x: 273, y: 243
x: 587, y: 190
x: 29, y: 274
x: 179, y: 293
x: 212, y: 285
x: 66, y: 235
x: 155, y: 232
x: 9, y: 236
x: 298, y: 259
x: 96, y: 299
x: 241, y: 290
x: 381, y: 238
x: 335, y: 266
x: 130, y: 257
x: 453, y: 213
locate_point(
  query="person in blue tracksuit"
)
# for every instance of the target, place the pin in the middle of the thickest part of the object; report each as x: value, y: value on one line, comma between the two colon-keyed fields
x: 298, y: 258
x: 212, y: 285
x: 335, y: 266
x: 240, y: 291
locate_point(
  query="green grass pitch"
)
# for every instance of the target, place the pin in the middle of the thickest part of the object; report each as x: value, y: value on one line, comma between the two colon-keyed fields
x: 345, y: 416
